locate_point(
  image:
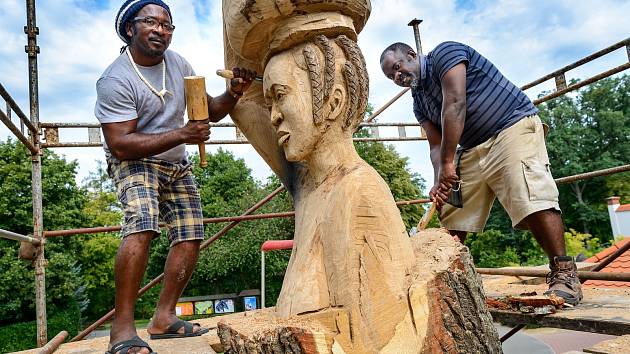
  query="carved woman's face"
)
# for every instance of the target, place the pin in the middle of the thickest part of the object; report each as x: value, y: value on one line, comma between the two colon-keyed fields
x: 287, y: 91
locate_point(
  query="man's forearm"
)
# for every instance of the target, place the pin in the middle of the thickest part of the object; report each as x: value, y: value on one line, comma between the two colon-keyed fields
x: 434, y: 153
x: 137, y: 145
x: 453, y: 117
x: 453, y: 111
x: 220, y: 106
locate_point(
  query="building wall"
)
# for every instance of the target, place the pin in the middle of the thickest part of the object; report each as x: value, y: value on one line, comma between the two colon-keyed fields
x: 623, y: 220
x: 619, y: 217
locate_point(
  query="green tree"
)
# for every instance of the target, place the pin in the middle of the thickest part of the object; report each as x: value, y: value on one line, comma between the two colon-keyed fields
x: 63, y: 201
x: 590, y: 132
x: 488, y: 250
x: 99, y: 251
x: 232, y: 263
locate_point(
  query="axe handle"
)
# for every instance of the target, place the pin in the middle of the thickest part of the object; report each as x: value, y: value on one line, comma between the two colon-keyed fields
x: 426, y: 217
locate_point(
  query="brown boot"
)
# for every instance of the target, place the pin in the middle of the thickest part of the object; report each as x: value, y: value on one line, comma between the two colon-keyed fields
x: 563, y: 280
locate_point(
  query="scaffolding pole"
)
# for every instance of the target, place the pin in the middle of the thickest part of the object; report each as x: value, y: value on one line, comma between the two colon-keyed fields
x: 541, y: 273
x: 94, y: 230
x: 286, y: 214
x: 13, y: 106
x: 32, y: 50
x: 18, y: 134
x: 20, y: 238
x: 580, y: 62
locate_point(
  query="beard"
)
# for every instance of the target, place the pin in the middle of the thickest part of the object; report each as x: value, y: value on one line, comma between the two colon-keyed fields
x: 408, y: 80
x: 143, y: 46
x: 146, y: 50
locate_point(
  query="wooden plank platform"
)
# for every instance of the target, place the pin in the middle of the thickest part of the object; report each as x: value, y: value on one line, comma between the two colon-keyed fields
x: 205, y: 344
x: 605, y: 311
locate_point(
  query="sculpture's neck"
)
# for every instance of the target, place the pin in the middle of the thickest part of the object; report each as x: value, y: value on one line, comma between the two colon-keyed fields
x: 332, y: 154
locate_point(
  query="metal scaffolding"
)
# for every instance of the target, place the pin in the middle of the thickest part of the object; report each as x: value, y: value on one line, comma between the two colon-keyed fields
x: 50, y: 131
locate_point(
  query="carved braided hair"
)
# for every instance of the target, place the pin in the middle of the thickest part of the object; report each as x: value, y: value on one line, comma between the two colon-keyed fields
x: 354, y: 71
x: 329, y: 61
x: 317, y: 86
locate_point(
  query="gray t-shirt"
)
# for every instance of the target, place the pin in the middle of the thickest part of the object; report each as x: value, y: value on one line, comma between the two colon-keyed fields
x: 123, y: 96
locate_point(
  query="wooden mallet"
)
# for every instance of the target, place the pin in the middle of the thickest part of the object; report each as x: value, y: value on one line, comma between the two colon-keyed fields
x: 197, y: 105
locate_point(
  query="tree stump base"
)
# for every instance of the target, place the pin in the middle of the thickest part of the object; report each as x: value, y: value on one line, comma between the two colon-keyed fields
x: 446, y: 302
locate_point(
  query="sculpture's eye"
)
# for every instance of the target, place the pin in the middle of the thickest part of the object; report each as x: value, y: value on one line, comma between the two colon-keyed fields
x: 280, y: 95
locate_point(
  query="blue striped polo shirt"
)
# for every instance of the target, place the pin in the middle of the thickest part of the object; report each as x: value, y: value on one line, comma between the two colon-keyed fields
x: 493, y: 103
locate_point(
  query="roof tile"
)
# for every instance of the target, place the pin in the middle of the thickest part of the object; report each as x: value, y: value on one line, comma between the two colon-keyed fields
x: 619, y: 265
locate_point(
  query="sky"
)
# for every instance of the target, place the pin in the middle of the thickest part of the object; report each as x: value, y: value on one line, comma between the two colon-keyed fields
x: 524, y: 39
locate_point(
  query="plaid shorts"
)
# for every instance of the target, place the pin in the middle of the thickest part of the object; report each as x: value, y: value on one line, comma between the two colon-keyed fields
x: 149, y: 189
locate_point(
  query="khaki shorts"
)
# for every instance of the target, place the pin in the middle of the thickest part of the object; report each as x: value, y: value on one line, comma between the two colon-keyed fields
x: 512, y: 166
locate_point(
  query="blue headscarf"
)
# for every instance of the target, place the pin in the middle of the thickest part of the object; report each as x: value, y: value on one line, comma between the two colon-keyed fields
x: 128, y: 10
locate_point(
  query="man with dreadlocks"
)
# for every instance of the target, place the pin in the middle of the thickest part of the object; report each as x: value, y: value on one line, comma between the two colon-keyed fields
x: 140, y: 104
x: 485, y: 141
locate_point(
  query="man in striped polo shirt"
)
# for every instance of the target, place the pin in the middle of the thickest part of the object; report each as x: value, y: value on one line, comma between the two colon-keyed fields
x: 485, y: 141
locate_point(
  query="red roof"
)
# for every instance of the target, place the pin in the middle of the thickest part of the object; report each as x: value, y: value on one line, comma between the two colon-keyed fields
x: 625, y: 207
x: 619, y: 265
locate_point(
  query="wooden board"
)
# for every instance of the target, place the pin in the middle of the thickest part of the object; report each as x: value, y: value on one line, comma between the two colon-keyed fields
x: 605, y: 311
x: 207, y: 344
x: 192, y: 345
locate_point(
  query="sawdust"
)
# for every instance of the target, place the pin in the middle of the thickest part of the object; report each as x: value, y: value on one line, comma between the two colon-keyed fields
x: 434, y: 250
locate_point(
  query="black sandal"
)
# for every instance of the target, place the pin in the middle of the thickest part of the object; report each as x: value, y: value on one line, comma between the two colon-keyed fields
x: 172, y: 331
x: 124, y: 346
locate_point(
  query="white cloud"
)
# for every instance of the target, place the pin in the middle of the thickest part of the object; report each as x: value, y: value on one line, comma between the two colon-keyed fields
x: 525, y: 39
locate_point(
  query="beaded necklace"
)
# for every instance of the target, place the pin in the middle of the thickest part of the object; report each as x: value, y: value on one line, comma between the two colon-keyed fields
x: 160, y: 93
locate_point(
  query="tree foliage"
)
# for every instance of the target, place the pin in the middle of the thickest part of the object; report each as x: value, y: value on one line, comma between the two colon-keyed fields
x: 590, y: 132
x: 63, y: 202
x: 232, y: 263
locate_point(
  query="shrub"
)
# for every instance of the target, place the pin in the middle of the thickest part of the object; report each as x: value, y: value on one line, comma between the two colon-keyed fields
x: 23, y: 335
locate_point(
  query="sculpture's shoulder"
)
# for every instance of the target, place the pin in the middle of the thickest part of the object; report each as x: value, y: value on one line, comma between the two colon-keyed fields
x: 363, y: 181
x: 362, y: 191
x: 370, y: 208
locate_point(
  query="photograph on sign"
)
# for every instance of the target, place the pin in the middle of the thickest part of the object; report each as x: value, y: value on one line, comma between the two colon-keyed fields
x: 184, y: 309
x: 224, y: 306
x: 250, y: 303
x: 204, y: 308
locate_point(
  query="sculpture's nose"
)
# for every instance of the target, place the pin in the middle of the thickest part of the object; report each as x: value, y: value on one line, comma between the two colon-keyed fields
x: 276, y: 116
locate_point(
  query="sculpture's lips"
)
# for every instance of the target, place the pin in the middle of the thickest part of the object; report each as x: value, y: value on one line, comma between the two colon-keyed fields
x: 283, y: 137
